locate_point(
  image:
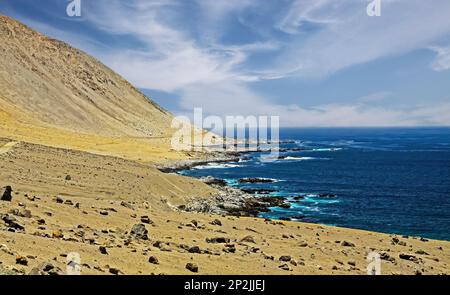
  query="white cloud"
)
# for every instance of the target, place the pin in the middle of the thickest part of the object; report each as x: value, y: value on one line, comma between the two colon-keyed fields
x: 442, y: 61
x: 207, y: 73
x: 354, y: 38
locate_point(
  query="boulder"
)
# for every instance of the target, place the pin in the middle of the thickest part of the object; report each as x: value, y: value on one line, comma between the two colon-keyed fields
x: 192, y: 267
x: 218, y: 240
x: 139, y: 231
x: 6, y: 196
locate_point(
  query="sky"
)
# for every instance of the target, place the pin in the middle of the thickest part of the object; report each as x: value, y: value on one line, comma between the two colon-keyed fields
x: 314, y: 63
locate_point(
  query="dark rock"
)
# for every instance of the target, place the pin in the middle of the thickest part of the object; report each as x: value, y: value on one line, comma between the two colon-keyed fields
x: 114, y: 271
x: 194, y: 249
x: 284, y: 267
x: 46, y: 269
x: 255, y: 180
x: 7, y: 197
x: 59, y: 200
x: 285, y: 258
x: 21, y: 260
x: 104, y: 212
x: 139, y: 231
x: 248, y: 239
x: 192, y: 267
x: 11, y: 222
x: 230, y: 248
x: 216, y: 222
x: 213, y: 181
x: 68, y: 202
x: 103, y: 250
x: 347, y: 244
x: 146, y: 220
x: 259, y: 191
x: 68, y: 177
x: 126, y: 205
x: 218, y: 240
x: 387, y: 257
x: 298, y: 198
x: 409, y: 257
x: 153, y: 260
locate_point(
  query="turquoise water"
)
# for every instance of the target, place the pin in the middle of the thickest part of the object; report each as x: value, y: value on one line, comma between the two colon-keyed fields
x: 386, y: 180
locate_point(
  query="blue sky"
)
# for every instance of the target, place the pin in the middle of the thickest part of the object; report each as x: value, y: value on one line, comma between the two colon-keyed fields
x: 312, y: 62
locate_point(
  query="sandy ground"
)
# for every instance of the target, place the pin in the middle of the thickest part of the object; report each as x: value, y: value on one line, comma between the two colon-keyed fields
x: 102, y: 197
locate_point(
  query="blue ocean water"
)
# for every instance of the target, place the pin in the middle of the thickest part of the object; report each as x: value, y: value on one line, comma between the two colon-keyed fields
x: 393, y: 180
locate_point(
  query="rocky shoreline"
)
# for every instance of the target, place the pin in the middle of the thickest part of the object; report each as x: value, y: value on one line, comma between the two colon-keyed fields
x: 229, y: 201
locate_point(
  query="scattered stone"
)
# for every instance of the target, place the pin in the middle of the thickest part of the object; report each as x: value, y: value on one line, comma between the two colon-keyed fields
x: 126, y: 205
x: 285, y: 258
x: 21, y: 260
x: 421, y: 252
x: 59, y: 200
x: 194, y: 222
x: 46, y: 269
x: 192, y: 267
x: 146, y: 219
x: 347, y: 244
x: 104, y: 212
x: 216, y: 222
x: 218, y: 240
x: 255, y: 180
x: 194, y: 249
x: 25, y: 213
x: 57, y: 234
x: 114, y: 271
x: 68, y: 177
x: 213, y: 181
x: 68, y: 202
x: 153, y: 260
x: 409, y: 257
x: 229, y: 248
x: 103, y: 250
x: 285, y: 267
x: 12, y: 223
x: 303, y: 245
x: 7, y: 197
x: 139, y: 231
x: 77, y: 205
x: 248, y: 239
x: 424, y: 240
x: 352, y: 263
x: 386, y: 256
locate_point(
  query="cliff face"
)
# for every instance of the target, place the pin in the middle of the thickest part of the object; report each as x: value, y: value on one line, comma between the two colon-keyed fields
x: 61, y: 86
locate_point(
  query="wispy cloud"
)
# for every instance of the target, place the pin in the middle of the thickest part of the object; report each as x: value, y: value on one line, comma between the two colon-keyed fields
x: 442, y: 61
x: 301, y: 40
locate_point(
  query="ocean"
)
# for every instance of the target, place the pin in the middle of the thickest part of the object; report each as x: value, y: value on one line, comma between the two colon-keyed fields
x: 391, y: 180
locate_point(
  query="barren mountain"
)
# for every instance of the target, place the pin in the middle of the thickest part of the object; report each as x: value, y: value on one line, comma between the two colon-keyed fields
x: 65, y: 87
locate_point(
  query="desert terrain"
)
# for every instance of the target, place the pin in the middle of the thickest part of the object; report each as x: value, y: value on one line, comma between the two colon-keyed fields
x: 79, y: 151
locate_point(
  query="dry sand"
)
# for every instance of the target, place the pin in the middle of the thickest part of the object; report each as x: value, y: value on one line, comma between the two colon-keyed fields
x: 113, y: 194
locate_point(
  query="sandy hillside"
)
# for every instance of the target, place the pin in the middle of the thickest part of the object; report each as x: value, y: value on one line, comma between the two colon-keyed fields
x: 68, y: 201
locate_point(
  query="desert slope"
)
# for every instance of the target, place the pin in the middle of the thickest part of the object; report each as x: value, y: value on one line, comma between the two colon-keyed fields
x: 67, y: 88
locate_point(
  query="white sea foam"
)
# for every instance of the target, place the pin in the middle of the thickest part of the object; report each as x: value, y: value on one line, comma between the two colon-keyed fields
x: 216, y: 166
